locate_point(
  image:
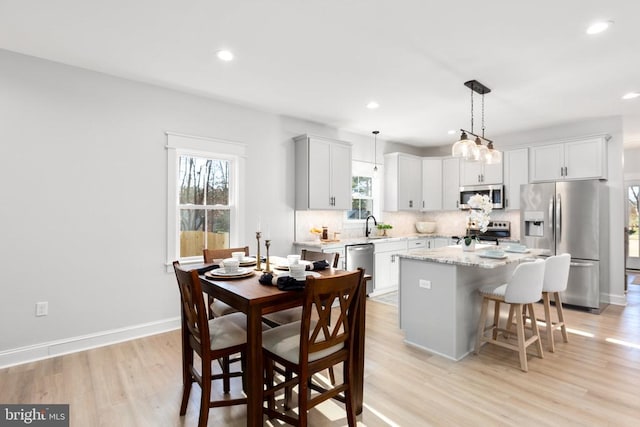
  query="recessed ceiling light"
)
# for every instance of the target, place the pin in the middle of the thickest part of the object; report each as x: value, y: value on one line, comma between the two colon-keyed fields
x: 372, y: 105
x: 631, y: 95
x: 224, y: 55
x: 451, y: 132
x: 598, y: 27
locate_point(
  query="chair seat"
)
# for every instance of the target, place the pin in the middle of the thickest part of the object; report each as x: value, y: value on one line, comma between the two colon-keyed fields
x: 219, y: 308
x: 284, y: 341
x: 285, y: 316
x: 228, y: 331
x: 492, y: 290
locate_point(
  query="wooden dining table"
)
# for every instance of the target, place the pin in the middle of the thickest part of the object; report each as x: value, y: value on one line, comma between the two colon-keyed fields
x: 255, y: 300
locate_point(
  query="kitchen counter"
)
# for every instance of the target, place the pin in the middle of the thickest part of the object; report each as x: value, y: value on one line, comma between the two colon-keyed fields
x: 361, y: 240
x: 439, y: 304
x: 455, y: 255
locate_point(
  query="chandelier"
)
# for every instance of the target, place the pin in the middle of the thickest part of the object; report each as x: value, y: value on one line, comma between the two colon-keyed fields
x: 475, y: 151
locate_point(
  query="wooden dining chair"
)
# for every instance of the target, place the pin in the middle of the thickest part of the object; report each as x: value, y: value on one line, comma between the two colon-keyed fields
x: 211, y: 339
x: 309, y: 346
x: 218, y: 308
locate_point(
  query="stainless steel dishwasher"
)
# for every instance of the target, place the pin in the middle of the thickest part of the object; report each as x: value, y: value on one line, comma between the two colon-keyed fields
x: 361, y: 256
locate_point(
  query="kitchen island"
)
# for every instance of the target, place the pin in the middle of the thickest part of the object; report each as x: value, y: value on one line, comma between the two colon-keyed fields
x: 439, y: 305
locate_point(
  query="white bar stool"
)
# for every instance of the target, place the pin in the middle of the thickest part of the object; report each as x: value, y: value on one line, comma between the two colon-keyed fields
x: 522, y: 290
x: 556, y: 275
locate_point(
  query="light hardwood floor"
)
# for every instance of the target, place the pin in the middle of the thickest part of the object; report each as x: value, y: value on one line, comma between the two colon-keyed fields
x: 588, y: 382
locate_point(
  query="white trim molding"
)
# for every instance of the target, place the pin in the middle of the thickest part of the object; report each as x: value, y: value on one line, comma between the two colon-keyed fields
x: 50, y: 349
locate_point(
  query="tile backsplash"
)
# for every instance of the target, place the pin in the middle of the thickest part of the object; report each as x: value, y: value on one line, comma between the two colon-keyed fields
x: 449, y: 223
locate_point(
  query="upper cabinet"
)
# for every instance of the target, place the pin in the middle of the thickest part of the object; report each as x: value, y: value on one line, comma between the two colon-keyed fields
x: 402, y: 182
x: 450, y: 183
x: 516, y: 173
x: 582, y: 159
x: 323, y: 173
x: 431, y: 184
x: 475, y: 173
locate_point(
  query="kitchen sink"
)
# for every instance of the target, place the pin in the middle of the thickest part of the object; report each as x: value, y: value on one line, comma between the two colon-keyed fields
x: 377, y: 237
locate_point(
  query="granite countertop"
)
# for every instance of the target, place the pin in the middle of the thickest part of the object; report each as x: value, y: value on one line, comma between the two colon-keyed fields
x: 456, y: 256
x: 362, y: 240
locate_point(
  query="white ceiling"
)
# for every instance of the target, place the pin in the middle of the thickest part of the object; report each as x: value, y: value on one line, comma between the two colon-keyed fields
x: 324, y: 60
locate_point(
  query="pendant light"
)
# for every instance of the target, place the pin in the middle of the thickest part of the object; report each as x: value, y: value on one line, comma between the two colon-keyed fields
x: 375, y: 150
x: 476, y: 151
x: 464, y: 146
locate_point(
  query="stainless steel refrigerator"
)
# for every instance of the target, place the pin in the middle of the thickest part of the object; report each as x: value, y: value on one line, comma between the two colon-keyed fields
x: 571, y: 217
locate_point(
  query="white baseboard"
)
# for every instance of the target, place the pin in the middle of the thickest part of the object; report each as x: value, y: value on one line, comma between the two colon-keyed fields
x: 617, y: 299
x: 49, y: 349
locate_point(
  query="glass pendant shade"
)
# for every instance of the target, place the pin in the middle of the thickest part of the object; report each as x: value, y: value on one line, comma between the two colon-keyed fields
x: 463, y: 148
x: 479, y: 152
x: 493, y: 156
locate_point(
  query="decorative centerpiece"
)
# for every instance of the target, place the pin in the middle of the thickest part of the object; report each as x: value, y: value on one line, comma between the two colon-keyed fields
x: 384, y: 227
x: 481, y: 207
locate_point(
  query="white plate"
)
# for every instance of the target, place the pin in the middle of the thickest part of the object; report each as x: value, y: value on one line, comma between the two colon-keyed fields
x: 516, y: 250
x: 285, y: 265
x: 494, y: 256
x: 307, y: 273
x: 222, y: 272
x: 248, y: 260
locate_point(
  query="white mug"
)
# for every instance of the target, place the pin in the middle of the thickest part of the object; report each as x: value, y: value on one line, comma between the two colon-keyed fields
x: 230, y: 265
x: 237, y: 255
x: 297, y: 271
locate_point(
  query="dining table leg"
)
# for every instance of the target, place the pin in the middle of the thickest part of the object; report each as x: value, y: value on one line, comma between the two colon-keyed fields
x: 254, y: 374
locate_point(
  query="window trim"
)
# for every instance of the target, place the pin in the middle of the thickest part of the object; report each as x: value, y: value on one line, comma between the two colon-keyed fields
x: 179, y: 145
x: 361, y: 168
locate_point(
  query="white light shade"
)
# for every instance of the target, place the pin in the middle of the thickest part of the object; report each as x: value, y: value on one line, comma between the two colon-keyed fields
x: 598, y: 27
x: 463, y: 148
x: 494, y: 157
x: 631, y: 95
x: 225, y: 55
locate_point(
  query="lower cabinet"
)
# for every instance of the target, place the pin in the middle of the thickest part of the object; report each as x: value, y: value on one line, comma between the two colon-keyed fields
x: 386, y: 265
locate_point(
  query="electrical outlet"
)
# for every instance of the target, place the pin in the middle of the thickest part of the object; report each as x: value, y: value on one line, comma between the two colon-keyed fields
x: 426, y: 284
x: 42, y: 308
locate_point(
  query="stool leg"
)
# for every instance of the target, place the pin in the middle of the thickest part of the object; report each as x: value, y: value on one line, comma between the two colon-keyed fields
x: 522, y: 351
x: 496, y: 319
x: 548, y: 320
x: 536, y: 331
x: 509, y: 322
x: 563, y: 328
x: 481, y: 323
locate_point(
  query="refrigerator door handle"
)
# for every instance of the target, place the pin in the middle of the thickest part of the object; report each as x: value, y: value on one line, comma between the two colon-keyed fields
x: 558, y: 220
x: 581, y: 264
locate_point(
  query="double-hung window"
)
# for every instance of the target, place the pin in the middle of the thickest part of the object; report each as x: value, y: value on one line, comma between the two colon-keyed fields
x: 204, y: 178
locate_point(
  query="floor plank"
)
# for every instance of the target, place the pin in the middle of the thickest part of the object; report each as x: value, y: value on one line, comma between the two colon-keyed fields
x: 592, y: 380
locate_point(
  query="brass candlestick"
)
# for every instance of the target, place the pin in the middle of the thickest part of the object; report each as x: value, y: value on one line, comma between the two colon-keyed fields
x: 258, y: 266
x: 267, y: 243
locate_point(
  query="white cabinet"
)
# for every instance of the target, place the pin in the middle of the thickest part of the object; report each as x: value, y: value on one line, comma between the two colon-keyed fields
x: 386, y: 264
x: 475, y: 173
x: 581, y: 159
x: 419, y: 243
x: 323, y: 173
x: 431, y: 184
x: 450, y: 183
x: 516, y: 173
x: 402, y: 182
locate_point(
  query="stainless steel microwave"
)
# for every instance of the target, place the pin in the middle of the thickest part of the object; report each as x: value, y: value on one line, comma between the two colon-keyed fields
x: 495, y: 193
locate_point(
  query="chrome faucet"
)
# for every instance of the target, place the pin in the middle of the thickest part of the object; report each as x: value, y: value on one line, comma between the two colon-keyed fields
x: 366, y: 227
